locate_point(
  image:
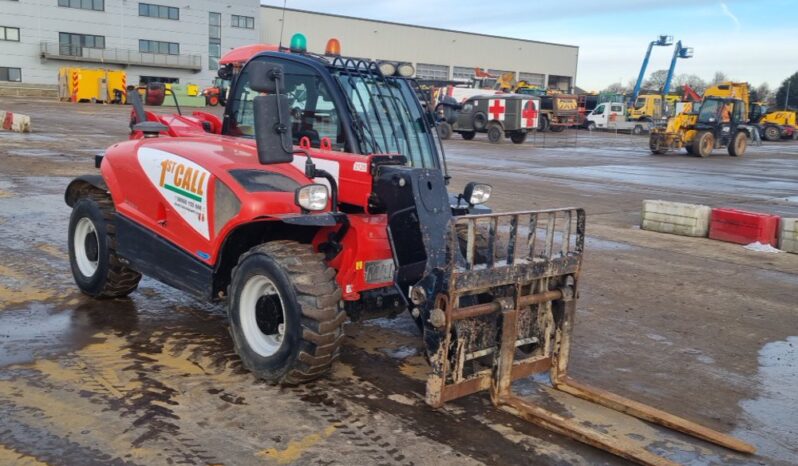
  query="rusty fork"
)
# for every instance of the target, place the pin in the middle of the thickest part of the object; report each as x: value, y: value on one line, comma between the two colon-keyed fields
x: 529, y: 276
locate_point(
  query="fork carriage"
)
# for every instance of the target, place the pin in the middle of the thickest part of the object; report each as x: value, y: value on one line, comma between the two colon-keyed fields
x: 508, y: 313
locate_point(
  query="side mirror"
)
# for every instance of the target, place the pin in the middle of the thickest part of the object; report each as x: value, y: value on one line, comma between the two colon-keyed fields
x: 225, y: 72
x: 273, y: 129
x: 156, y: 92
x: 264, y: 77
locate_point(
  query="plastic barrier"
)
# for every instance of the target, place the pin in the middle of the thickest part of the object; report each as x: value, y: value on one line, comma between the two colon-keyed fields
x: 739, y: 226
x: 788, y: 236
x: 16, y: 122
x: 676, y: 218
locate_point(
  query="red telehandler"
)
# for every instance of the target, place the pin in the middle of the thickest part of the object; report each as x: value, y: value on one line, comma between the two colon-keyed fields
x: 322, y: 197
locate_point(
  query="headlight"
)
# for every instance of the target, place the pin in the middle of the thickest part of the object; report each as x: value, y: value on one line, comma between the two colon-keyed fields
x: 387, y: 68
x: 477, y: 193
x: 406, y: 70
x: 312, y: 197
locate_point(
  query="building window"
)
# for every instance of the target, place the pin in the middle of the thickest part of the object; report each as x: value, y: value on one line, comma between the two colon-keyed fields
x: 73, y: 44
x: 159, y: 11
x: 160, y: 47
x: 97, y: 5
x: 9, y: 33
x: 536, y: 79
x: 427, y: 71
x: 10, y: 74
x: 247, y: 22
x: 214, y: 39
x: 463, y: 73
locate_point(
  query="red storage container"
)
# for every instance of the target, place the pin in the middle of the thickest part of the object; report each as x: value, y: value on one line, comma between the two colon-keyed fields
x: 739, y: 226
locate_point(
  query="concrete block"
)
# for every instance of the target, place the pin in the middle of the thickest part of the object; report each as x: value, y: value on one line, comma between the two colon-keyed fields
x: 676, y: 218
x: 14, y: 122
x: 788, y: 235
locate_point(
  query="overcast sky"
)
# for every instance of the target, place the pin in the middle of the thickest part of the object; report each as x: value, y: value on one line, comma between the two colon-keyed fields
x: 749, y: 40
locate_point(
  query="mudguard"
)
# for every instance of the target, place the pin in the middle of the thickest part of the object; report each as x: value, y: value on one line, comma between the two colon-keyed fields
x: 72, y: 192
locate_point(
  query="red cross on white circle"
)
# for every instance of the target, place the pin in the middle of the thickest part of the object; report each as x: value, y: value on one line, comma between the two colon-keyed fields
x: 496, y: 109
x: 529, y: 114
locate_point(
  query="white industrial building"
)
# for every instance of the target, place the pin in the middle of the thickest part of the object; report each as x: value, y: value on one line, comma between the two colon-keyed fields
x: 156, y: 40
x: 181, y: 41
x: 439, y: 54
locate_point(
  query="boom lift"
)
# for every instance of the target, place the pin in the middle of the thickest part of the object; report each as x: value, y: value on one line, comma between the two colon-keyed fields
x: 322, y: 196
x: 662, y: 41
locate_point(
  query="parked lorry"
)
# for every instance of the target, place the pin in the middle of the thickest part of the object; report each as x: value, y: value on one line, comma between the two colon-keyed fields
x: 612, y: 116
x: 557, y: 112
x: 301, y: 213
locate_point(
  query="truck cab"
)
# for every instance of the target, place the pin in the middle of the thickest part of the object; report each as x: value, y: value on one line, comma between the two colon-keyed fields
x: 604, y: 113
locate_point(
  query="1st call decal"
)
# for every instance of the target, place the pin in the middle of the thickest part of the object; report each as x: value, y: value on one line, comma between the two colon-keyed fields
x: 183, y: 184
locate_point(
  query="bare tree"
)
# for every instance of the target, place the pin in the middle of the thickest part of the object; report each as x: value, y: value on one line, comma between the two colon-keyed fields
x: 719, y: 77
x: 615, y: 88
x: 656, y: 81
x: 762, y: 93
x: 694, y: 81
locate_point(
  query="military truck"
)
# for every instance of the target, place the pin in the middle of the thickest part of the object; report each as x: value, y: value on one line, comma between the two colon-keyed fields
x: 500, y: 116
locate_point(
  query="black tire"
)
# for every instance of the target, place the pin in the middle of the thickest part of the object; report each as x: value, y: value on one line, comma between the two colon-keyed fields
x: 556, y: 128
x: 738, y: 145
x: 479, y: 121
x: 771, y: 133
x: 591, y: 126
x: 518, y: 137
x: 689, y: 149
x: 444, y: 130
x: 637, y: 130
x: 468, y: 135
x: 703, y: 144
x: 495, y: 133
x: 96, y: 268
x: 305, y: 290
x: 543, y: 123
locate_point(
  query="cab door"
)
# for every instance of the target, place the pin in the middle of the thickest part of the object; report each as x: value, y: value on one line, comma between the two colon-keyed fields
x: 465, y: 117
x: 599, y: 115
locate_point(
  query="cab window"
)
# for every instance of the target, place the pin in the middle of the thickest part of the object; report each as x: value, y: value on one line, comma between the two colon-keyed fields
x: 313, y: 113
x: 599, y: 110
x: 468, y: 107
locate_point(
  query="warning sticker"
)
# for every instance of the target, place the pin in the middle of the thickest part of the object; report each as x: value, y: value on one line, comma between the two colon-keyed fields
x: 183, y: 184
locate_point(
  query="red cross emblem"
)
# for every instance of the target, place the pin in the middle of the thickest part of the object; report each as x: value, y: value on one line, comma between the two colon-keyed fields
x: 496, y: 109
x: 529, y: 114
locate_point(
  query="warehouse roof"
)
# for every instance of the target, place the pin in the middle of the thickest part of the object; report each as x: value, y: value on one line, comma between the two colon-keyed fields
x: 417, y: 26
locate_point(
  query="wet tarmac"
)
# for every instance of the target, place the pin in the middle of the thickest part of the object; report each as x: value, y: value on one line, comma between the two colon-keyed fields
x: 704, y: 329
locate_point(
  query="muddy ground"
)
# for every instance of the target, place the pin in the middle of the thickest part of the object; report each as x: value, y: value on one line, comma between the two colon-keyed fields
x: 704, y: 329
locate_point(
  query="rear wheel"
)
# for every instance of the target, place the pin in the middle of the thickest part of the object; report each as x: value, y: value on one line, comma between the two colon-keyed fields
x: 495, y: 133
x: 738, y: 145
x: 518, y: 137
x: 468, y: 135
x: 284, y: 315
x: 543, y: 123
x: 557, y: 128
x: 444, y: 130
x: 638, y: 129
x: 96, y: 268
x: 772, y: 133
x: 655, y: 145
x: 213, y: 100
x: 689, y: 149
x: 703, y: 144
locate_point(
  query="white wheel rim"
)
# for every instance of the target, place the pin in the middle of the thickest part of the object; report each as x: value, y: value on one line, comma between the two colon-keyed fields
x: 87, y: 262
x: 260, y: 291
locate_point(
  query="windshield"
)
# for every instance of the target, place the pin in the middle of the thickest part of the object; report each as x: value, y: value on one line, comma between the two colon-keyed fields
x: 387, y: 116
x: 709, y: 111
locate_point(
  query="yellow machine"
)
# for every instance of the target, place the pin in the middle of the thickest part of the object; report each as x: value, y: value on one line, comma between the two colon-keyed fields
x: 648, y: 107
x: 92, y: 85
x: 779, y: 124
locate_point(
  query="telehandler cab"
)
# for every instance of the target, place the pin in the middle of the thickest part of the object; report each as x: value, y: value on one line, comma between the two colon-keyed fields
x: 322, y: 196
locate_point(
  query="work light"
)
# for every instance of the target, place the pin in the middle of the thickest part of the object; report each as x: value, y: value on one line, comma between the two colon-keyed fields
x: 312, y: 197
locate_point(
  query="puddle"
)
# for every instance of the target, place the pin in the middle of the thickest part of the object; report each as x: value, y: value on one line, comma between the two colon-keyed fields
x: 606, y: 245
x: 402, y: 323
x: 772, y: 417
x: 401, y: 352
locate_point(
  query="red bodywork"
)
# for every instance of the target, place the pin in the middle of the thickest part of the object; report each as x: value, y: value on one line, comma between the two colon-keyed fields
x: 138, y: 198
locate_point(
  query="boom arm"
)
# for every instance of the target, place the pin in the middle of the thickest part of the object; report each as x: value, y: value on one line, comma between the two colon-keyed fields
x: 661, y: 41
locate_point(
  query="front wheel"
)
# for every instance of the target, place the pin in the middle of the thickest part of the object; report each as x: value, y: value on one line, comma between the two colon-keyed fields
x: 96, y: 268
x: 738, y: 145
x: 637, y: 130
x: 703, y: 144
x: 557, y: 128
x: 284, y: 315
x: 591, y: 126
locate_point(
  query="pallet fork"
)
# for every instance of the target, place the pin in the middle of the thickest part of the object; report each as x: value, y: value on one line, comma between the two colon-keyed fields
x: 509, y: 314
